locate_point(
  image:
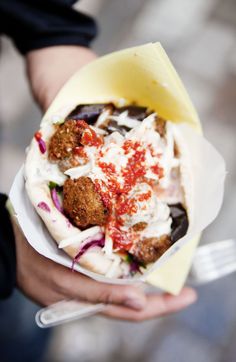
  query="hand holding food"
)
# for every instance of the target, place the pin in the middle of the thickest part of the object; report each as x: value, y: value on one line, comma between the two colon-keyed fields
x: 47, y: 282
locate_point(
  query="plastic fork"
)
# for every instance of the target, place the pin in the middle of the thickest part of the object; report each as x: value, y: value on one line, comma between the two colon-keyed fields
x: 211, y: 262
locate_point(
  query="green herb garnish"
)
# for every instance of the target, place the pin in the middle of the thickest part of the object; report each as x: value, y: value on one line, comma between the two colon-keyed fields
x: 52, y: 185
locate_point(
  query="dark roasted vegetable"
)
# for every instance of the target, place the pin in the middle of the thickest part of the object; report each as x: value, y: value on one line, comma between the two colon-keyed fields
x: 179, y: 224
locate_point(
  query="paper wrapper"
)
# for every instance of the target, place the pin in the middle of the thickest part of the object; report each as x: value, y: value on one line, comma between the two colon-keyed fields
x: 143, y: 75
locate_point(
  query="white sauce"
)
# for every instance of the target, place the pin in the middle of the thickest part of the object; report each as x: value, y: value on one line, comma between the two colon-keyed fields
x: 39, y: 169
x: 76, y: 172
x: 152, y: 211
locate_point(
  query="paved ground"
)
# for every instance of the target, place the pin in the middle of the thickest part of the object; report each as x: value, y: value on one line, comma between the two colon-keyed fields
x: 200, y: 38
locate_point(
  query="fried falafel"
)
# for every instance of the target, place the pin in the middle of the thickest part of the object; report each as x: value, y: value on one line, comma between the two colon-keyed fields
x: 82, y: 204
x: 64, y: 140
x: 150, y: 249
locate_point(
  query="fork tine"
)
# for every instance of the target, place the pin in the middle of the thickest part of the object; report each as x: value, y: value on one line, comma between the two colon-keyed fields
x: 222, y: 248
x: 200, y: 278
x: 213, y: 261
x: 207, y: 268
x: 227, y: 251
x: 218, y: 245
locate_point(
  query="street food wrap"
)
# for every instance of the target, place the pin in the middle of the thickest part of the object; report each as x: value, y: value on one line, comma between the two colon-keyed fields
x: 116, y: 170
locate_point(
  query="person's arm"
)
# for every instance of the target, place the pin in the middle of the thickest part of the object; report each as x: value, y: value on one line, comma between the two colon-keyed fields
x: 7, y: 252
x: 49, y: 68
x: 53, y: 36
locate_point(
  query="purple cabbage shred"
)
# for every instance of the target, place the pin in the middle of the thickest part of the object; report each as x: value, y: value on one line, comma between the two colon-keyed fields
x: 85, y: 247
x: 42, y: 145
x: 42, y: 205
x: 56, y: 200
x: 134, y: 268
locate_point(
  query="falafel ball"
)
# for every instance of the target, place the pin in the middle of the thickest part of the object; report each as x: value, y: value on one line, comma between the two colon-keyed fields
x: 64, y: 140
x: 149, y: 250
x: 82, y: 203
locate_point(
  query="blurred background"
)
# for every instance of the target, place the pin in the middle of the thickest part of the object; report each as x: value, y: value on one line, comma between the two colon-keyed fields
x: 199, y: 37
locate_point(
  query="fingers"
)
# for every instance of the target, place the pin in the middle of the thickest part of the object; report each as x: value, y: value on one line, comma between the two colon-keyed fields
x: 51, y: 282
x: 54, y: 282
x: 77, y: 286
x: 156, y: 306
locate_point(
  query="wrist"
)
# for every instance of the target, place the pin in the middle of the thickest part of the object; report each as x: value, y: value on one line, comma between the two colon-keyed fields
x: 48, y: 69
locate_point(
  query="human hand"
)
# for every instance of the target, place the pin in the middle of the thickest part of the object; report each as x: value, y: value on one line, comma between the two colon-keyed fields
x: 48, y: 69
x: 47, y: 282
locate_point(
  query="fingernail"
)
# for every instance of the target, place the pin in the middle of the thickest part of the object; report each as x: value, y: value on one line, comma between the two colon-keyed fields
x: 135, y: 303
x: 190, y: 297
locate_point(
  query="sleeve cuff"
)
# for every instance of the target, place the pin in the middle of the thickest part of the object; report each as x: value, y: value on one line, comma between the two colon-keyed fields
x: 50, y: 40
x: 38, y: 24
x: 7, y: 252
